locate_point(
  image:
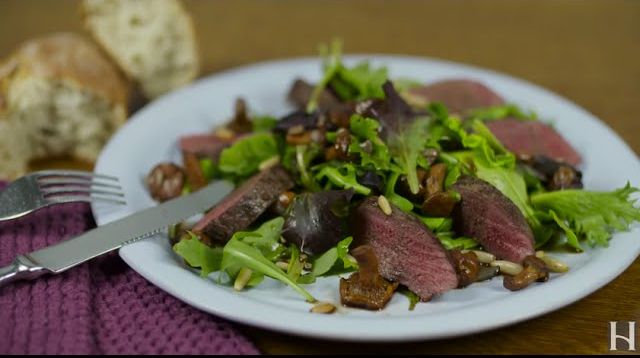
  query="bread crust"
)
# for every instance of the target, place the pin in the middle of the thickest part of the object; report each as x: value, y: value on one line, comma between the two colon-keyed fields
x: 66, y: 57
x: 123, y: 66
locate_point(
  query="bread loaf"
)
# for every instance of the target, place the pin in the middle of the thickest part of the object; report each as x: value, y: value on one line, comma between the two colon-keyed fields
x: 59, y: 95
x: 153, y: 41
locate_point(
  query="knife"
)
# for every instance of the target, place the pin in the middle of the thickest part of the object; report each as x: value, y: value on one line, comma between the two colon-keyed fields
x: 72, y: 252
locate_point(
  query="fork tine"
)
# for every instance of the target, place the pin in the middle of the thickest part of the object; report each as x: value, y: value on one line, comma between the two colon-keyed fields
x: 53, y: 181
x: 83, y: 198
x: 61, y: 190
x: 73, y: 173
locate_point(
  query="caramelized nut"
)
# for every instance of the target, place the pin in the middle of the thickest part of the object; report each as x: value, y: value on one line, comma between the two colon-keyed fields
x: 165, y: 181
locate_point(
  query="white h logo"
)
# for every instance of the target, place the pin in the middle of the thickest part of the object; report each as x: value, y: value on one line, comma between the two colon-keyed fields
x: 613, y: 333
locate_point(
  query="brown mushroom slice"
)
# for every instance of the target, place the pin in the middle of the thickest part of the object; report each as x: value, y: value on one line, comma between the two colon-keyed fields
x: 195, y: 176
x: 534, y: 270
x: 467, y: 266
x: 240, y: 123
x: 366, y: 288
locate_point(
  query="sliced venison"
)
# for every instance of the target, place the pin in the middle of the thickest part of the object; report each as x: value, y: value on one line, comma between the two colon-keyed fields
x: 205, y: 145
x: 533, y: 138
x: 244, y: 205
x: 407, y: 251
x: 487, y: 215
x: 459, y: 95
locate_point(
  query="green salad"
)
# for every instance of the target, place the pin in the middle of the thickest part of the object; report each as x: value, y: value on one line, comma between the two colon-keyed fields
x: 393, y: 184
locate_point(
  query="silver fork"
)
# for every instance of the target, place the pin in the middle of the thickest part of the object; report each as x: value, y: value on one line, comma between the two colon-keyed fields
x: 44, y: 188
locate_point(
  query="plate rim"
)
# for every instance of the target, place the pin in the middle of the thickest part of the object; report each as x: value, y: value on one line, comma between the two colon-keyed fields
x: 602, y: 279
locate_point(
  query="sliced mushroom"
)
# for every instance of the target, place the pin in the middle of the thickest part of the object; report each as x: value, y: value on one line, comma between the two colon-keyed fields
x: 534, y: 270
x: 366, y: 288
x: 467, y: 267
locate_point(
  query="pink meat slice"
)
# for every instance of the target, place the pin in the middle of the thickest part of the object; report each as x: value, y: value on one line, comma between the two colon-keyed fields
x: 459, y: 95
x: 205, y: 145
x: 407, y: 251
x: 244, y: 205
x: 487, y: 215
x: 533, y: 138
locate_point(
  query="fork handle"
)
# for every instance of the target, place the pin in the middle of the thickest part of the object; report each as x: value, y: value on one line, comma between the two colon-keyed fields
x: 22, y: 268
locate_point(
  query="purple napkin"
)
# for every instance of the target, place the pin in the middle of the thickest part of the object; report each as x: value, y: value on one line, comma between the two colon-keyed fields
x: 100, y: 307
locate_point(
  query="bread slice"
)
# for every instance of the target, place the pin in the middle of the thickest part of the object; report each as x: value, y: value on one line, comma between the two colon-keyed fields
x: 153, y: 41
x: 59, y: 96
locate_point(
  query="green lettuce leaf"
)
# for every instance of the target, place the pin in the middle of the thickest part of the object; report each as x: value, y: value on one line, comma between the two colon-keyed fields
x: 263, y: 123
x: 366, y: 130
x: 199, y: 255
x: 237, y: 254
x: 357, y: 83
x: 243, y: 158
x: 406, y: 147
x: 341, y: 176
x: 396, y: 199
x: 334, y: 260
x: 501, y: 112
x: 590, y: 215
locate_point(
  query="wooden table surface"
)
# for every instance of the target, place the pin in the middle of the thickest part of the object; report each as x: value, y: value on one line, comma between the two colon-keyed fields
x: 587, y: 51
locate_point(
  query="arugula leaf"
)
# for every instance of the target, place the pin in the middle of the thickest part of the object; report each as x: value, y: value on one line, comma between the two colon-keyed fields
x: 396, y: 199
x: 357, y: 83
x: 237, y: 254
x: 406, y: 145
x: 244, y: 157
x: 295, y: 266
x: 501, y: 112
x: 341, y: 175
x: 199, y: 255
x: 264, y: 123
x: 367, y: 130
x: 208, y: 168
x: 441, y: 224
x: 588, y: 214
x: 265, y: 238
x: 332, y: 62
x: 460, y: 243
x: 336, y: 259
x: 414, y: 299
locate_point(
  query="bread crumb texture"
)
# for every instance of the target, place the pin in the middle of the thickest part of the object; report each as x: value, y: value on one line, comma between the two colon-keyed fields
x: 59, y: 96
x: 153, y: 41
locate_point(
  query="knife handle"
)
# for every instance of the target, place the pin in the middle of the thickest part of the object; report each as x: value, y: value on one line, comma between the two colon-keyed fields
x: 22, y: 268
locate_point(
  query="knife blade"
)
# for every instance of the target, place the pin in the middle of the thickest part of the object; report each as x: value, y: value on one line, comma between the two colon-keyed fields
x: 111, y: 236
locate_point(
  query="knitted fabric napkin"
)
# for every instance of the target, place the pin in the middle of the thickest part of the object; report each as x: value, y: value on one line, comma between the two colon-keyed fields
x: 100, y: 307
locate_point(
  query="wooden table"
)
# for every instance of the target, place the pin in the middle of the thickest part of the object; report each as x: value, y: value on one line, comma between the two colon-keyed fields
x: 587, y: 51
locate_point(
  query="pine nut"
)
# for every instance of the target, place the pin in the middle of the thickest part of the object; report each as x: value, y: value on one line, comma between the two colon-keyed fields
x: 508, y: 267
x: 308, y: 266
x: 243, y: 277
x: 383, y: 203
x: 554, y: 265
x: 540, y: 254
x: 483, y: 256
x: 268, y: 163
x: 283, y: 265
x: 323, y: 307
x: 224, y: 133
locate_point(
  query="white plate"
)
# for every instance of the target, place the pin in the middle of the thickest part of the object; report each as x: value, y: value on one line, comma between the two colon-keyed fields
x: 151, y: 136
